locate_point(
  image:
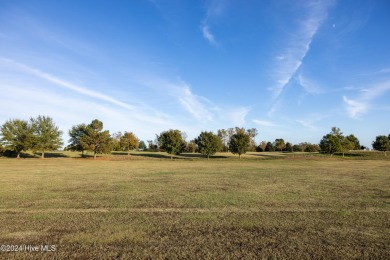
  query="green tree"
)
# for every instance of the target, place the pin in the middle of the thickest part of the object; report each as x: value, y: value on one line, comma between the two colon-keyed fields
x: 239, y: 142
x: 259, y: 148
x: 296, y: 148
x: 355, y: 142
x: 336, y: 132
x: 75, y: 142
x: 97, y: 140
x: 280, y: 144
x: 382, y: 143
x: 46, y: 135
x: 142, y: 145
x: 347, y: 145
x: 332, y: 142
x: 16, y: 135
x: 312, y: 148
x: 335, y: 141
x: 128, y: 142
x: 208, y: 143
x: 289, y: 147
x: 172, y: 142
x: 269, y: 147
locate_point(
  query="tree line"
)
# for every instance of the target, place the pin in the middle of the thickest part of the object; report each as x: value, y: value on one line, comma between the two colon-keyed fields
x: 41, y: 134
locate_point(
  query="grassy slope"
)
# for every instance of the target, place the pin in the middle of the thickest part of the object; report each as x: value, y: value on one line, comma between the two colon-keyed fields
x: 290, y: 207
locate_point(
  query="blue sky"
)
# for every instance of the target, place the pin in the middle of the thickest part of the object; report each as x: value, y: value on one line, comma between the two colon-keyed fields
x: 292, y: 69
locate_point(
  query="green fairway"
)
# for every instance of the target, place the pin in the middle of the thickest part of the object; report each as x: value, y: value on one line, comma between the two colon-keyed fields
x: 149, y: 206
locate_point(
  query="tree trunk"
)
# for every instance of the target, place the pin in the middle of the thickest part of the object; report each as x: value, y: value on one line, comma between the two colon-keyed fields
x: 94, y: 155
x: 43, y: 155
x: 82, y: 153
x: 343, y: 154
x: 171, y: 157
x: 385, y: 153
x: 239, y: 156
x: 18, y: 155
x: 208, y: 157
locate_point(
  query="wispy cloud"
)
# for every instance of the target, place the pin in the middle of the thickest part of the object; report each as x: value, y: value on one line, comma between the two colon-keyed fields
x: 290, y: 59
x: 75, y: 104
x: 68, y: 85
x: 354, y: 107
x: 68, y: 110
x: 82, y: 90
x: 363, y: 102
x: 307, y: 124
x: 207, y: 112
x: 202, y: 110
x: 196, y: 105
x: 309, y: 85
x: 237, y: 116
x: 208, y: 35
x: 310, y: 121
x: 263, y: 123
x: 214, y: 9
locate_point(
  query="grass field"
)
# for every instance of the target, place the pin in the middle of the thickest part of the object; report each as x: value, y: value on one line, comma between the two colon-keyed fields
x: 147, y: 206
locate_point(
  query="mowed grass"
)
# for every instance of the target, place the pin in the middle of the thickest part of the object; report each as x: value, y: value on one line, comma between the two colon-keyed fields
x: 152, y: 207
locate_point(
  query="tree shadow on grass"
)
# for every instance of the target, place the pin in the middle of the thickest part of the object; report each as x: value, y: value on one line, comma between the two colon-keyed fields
x: 201, y: 156
x: 153, y: 155
x: 51, y: 155
x: 85, y: 156
x: 182, y: 156
x: 121, y: 153
x: 363, y: 155
x: 160, y: 155
x: 12, y: 154
x: 26, y: 155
